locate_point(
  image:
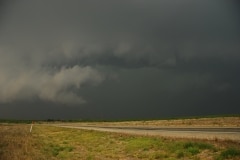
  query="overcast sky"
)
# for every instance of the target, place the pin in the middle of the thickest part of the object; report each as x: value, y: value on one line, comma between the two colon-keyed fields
x: 128, y: 59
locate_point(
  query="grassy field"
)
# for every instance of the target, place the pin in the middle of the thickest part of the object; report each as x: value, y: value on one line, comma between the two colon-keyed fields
x: 47, y: 142
x: 186, y: 122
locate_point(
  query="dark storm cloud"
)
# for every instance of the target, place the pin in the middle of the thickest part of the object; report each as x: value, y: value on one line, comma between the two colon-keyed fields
x: 71, y: 52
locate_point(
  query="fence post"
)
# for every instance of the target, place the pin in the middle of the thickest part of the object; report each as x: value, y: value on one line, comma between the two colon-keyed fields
x: 31, y: 127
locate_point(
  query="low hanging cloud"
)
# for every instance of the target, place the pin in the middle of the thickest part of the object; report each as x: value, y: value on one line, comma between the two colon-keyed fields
x: 48, y: 85
x: 50, y: 49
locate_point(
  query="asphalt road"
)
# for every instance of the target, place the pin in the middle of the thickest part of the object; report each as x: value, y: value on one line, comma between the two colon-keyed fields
x: 193, y: 132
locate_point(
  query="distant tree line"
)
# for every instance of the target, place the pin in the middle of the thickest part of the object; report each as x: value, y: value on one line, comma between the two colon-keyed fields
x: 51, y: 120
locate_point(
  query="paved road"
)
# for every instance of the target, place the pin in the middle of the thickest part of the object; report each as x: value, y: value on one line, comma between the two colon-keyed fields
x: 198, y: 133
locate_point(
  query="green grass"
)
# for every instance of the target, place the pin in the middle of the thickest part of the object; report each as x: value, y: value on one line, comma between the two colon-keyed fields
x: 56, y: 149
x: 195, y: 147
x: 47, y: 142
x: 229, y: 153
x: 93, y: 144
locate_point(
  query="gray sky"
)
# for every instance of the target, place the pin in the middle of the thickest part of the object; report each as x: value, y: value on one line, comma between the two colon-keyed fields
x: 127, y: 59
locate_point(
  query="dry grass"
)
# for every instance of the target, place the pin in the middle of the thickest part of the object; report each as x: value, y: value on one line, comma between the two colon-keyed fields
x: 193, y: 122
x: 16, y: 143
x: 46, y: 142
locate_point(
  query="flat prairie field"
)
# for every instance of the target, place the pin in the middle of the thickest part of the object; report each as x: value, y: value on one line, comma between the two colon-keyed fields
x: 187, y: 122
x: 52, y: 143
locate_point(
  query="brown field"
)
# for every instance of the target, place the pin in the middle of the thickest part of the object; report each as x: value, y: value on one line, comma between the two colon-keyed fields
x: 16, y: 143
x: 49, y: 142
x: 193, y: 122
